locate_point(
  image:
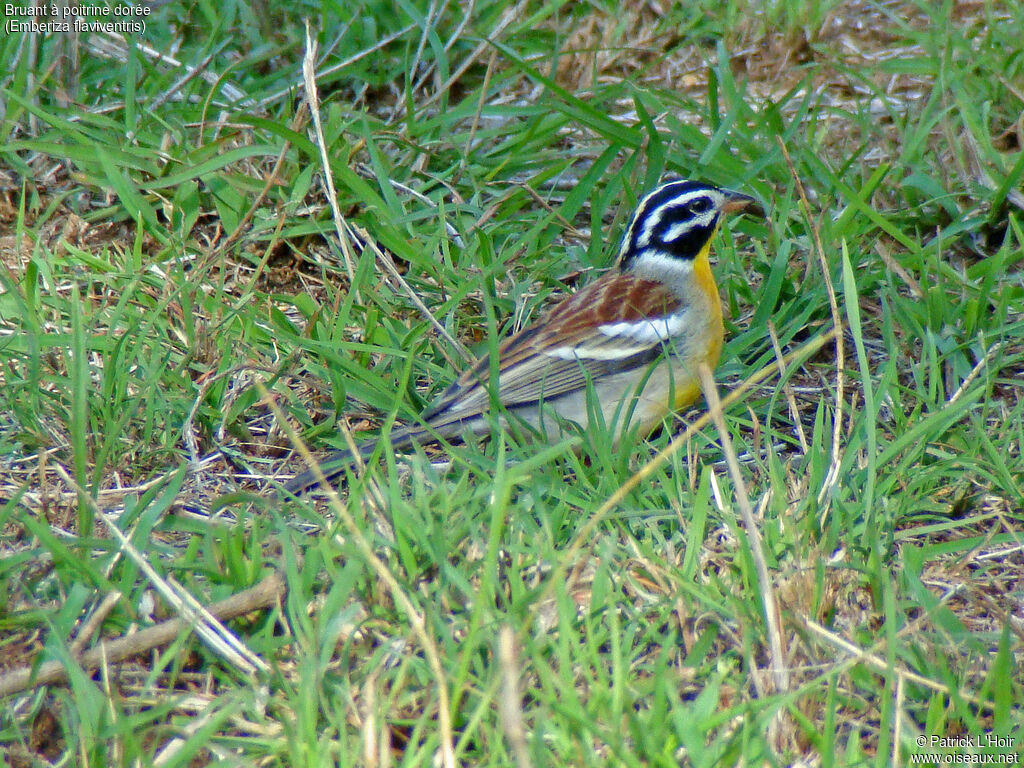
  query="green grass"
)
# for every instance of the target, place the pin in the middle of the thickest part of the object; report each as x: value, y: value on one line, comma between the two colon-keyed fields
x: 168, y: 252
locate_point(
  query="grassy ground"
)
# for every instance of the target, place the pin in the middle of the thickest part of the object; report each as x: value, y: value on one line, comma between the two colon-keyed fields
x: 171, y: 268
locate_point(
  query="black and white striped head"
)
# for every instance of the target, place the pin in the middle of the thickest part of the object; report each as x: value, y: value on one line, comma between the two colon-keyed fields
x: 678, y: 219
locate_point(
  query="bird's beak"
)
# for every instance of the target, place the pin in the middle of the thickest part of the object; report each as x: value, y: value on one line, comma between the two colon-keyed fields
x: 737, y: 202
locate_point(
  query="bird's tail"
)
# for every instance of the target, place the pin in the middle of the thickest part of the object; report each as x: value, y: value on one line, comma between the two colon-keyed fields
x: 334, y: 464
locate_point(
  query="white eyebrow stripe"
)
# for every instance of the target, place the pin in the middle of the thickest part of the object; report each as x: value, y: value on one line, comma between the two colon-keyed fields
x: 677, y: 229
x: 652, y: 219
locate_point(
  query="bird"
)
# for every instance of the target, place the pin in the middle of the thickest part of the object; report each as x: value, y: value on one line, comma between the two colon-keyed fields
x: 628, y: 344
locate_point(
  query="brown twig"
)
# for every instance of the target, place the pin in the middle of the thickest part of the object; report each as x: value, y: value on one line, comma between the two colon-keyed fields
x: 213, y: 632
x: 94, y: 622
x: 265, y: 594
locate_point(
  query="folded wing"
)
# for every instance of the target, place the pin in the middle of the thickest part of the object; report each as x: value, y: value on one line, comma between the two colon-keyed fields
x: 616, y: 323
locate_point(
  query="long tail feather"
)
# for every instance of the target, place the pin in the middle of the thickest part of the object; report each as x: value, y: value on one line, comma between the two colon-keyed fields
x: 334, y: 464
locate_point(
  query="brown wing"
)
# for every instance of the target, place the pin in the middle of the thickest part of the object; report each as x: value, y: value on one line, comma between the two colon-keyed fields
x: 558, y: 354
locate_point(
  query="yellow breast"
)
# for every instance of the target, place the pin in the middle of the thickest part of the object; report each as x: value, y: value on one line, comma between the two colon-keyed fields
x: 674, y: 385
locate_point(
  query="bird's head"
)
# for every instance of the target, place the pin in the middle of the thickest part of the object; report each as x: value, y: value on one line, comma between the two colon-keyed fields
x: 677, y: 221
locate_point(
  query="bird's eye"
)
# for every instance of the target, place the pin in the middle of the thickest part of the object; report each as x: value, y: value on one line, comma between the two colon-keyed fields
x: 700, y: 205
